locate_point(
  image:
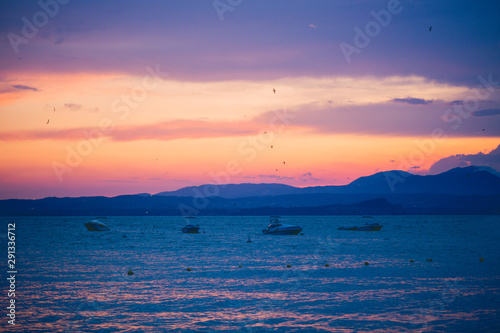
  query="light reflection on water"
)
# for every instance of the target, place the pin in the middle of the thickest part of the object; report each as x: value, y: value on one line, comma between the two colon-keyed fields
x: 74, y: 280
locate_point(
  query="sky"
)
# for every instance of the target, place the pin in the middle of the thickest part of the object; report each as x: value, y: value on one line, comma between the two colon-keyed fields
x: 123, y: 97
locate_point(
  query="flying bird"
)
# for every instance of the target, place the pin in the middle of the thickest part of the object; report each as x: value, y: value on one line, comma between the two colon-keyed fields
x: 430, y: 28
x: 272, y: 146
x: 283, y: 162
x: 54, y: 109
x: 274, y: 90
x: 48, y: 120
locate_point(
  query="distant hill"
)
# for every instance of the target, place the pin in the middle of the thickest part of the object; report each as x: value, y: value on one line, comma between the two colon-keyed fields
x: 233, y: 190
x: 469, y: 190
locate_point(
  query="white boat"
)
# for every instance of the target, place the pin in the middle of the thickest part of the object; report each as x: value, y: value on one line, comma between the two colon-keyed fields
x: 191, y: 228
x: 368, y: 226
x: 97, y: 224
x: 277, y: 228
x: 373, y: 226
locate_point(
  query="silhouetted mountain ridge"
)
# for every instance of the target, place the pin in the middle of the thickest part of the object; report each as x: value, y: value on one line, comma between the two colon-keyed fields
x: 470, y: 180
x: 469, y: 190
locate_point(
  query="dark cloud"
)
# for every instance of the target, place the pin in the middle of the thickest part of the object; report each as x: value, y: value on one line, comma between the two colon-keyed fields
x: 23, y: 87
x: 491, y: 160
x: 412, y: 101
x: 486, y: 112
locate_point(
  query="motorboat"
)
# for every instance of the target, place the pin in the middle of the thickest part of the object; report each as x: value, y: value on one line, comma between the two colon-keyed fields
x: 374, y: 226
x: 368, y: 226
x: 277, y: 228
x: 191, y: 227
x: 97, y: 224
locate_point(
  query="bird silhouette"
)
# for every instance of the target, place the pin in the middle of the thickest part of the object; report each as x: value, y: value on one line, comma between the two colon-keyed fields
x: 54, y: 109
x: 274, y: 90
x: 430, y: 28
x: 272, y: 146
x: 48, y: 120
x: 283, y: 162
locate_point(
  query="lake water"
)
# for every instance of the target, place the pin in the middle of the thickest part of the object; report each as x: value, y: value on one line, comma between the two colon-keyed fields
x: 72, y: 280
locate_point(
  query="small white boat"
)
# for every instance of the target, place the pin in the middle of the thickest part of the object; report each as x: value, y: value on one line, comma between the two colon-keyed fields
x: 374, y: 226
x: 368, y: 226
x: 191, y: 228
x: 97, y: 224
x: 277, y: 228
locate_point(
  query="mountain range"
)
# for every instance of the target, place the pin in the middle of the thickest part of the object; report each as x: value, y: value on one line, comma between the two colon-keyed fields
x: 470, y: 180
x: 469, y: 190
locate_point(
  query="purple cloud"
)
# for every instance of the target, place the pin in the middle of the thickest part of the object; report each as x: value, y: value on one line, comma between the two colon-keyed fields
x: 393, y: 120
x: 23, y: 87
x: 412, y: 101
x: 72, y: 106
x: 486, y: 112
x: 276, y: 177
x: 491, y: 160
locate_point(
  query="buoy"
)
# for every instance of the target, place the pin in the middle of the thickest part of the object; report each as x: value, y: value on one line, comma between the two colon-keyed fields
x: 130, y: 272
x: 366, y: 263
x: 481, y: 259
x: 411, y: 260
x: 288, y: 266
x: 240, y: 266
x: 189, y: 269
x: 326, y: 265
x: 429, y: 259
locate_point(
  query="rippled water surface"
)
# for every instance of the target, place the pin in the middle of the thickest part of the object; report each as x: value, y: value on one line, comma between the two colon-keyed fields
x: 73, y: 280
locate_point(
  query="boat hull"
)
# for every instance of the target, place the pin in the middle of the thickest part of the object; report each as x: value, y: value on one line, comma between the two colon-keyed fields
x: 96, y: 226
x: 284, y: 231
x: 370, y: 228
x: 191, y: 230
x: 364, y: 227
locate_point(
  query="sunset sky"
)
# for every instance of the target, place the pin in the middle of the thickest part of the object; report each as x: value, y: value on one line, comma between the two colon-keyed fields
x: 123, y: 97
